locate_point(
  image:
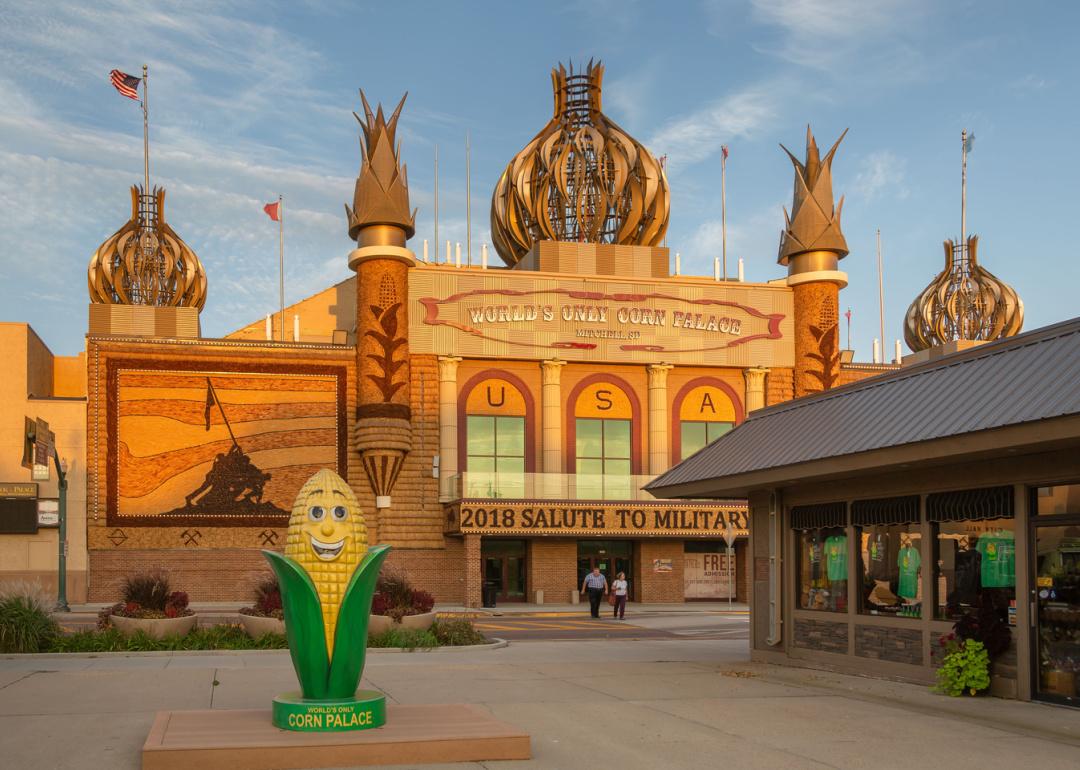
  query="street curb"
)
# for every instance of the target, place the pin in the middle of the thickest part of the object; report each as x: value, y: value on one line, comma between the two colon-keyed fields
x: 494, y: 645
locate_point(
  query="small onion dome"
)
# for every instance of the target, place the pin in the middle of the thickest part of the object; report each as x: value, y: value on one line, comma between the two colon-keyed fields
x: 145, y: 262
x: 964, y: 302
x: 581, y: 179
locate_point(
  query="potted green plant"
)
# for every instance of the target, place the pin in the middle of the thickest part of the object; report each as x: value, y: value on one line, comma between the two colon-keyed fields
x: 397, y: 603
x: 267, y: 615
x: 151, y: 606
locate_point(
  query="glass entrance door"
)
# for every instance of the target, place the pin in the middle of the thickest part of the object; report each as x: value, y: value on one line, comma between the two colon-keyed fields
x: 610, y: 556
x: 504, y: 568
x: 1056, y: 592
x: 1057, y: 588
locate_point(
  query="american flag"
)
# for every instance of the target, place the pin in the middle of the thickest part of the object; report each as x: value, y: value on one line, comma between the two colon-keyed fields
x: 127, y: 85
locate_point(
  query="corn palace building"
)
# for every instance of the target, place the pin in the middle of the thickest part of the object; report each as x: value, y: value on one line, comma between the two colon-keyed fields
x: 497, y: 424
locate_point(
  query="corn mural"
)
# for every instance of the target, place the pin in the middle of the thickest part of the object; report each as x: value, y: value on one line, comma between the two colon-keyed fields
x: 327, y: 577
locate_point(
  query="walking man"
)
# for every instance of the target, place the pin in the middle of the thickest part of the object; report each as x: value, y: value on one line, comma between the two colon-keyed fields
x: 596, y: 585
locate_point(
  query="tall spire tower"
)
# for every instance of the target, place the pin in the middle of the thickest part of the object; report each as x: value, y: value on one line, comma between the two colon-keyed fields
x: 811, y: 247
x: 380, y: 222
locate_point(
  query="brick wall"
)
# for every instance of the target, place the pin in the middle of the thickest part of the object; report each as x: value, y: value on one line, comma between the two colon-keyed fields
x: 551, y: 567
x: 472, y: 567
x: 779, y: 386
x: 742, y: 571
x: 899, y: 645
x: 658, y: 586
x: 441, y: 572
x: 822, y: 635
x: 218, y: 575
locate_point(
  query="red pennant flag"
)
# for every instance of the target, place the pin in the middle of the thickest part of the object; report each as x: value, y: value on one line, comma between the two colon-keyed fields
x: 724, y: 149
x: 273, y: 210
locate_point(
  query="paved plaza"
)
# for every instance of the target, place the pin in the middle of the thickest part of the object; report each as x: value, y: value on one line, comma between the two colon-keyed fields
x: 651, y: 703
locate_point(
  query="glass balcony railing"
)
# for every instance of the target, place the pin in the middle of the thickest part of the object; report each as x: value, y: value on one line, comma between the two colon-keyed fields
x: 545, y: 486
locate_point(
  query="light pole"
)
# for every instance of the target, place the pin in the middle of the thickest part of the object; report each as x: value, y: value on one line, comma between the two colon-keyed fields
x: 61, y: 476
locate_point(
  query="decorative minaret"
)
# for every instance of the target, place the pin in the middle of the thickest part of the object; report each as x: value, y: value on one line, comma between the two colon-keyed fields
x: 965, y: 301
x: 145, y: 262
x: 380, y: 222
x: 582, y: 179
x: 811, y: 247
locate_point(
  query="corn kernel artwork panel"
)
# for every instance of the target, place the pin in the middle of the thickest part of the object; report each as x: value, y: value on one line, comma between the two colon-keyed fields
x: 204, y: 446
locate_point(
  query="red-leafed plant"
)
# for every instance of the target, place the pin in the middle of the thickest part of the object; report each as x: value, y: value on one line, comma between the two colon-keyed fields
x: 267, y: 600
x: 395, y: 597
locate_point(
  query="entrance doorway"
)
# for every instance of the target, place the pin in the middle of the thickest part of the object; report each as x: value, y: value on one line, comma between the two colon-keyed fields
x: 610, y: 556
x: 504, y: 568
x: 1056, y: 592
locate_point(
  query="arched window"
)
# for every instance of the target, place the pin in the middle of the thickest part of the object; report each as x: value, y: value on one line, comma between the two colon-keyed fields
x: 704, y: 410
x: 495, y: 449
x: 606, y: 431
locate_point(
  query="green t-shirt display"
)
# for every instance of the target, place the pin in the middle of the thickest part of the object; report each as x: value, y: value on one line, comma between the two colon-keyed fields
x: 998, y: 551
x: 836, y: 557
x: 909, y: 561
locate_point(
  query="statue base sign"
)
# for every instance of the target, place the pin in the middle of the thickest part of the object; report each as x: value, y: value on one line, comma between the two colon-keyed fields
x: 364, y: 711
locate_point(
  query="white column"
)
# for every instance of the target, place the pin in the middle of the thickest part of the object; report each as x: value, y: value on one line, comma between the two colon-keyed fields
x: 755, y: 388
x: 448, y: 427
x: 551, y: 416
x: 659, y: 424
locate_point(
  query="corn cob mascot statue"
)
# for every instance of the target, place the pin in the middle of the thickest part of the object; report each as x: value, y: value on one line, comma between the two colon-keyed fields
x: 327, y: 578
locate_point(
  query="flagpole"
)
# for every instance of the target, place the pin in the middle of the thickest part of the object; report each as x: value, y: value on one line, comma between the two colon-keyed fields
x: 468, y: 203
x: 281, y: 261
x: 146, y: 130
x: 436, y: 204
x: 881, y: 295
x: 963, y: 191
x: 723, y: 206
x: 221, y: 408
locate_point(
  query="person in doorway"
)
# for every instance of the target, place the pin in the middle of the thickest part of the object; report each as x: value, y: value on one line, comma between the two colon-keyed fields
x: 596, y: 586
x: 619, y: 588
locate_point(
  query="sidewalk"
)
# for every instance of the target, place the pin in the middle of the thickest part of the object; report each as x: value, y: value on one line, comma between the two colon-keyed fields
x: 632, y: 705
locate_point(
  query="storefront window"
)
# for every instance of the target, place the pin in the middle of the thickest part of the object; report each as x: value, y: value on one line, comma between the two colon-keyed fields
x: 603, y: 458
x: 1061, y: 499
x: 974, y: 552
x: 823, y: 569
x: 496, y: 456
x: 891, y: 570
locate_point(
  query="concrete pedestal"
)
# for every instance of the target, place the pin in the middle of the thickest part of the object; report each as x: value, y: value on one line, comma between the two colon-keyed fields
x: 246, y: 740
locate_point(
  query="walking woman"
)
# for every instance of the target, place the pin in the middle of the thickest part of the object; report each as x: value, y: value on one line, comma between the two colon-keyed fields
x: 619, y: 588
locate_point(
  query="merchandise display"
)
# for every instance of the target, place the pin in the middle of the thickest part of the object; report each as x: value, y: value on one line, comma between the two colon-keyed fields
x: 822, y: 569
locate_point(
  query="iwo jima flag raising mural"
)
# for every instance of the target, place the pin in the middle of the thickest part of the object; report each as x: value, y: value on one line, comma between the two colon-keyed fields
x: 224, y: 449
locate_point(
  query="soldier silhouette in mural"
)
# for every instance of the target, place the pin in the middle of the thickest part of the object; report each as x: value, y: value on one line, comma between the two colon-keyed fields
x: 234, y: 484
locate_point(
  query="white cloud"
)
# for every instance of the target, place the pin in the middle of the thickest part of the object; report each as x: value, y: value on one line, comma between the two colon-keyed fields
x: 881, y: 172
x: 694, y: 137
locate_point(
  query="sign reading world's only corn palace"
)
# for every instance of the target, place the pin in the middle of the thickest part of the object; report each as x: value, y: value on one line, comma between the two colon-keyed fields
x: 525, y: 315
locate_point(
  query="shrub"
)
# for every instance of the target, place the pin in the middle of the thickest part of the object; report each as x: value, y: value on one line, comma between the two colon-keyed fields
x: 395, y: 597
x: 456, y: 632
x: 405, y: 638
x: 221, y: 637
x: 148, y: 595
x: 965, y: 668
x: 267, y: 600
x: 148, y: 590
x: 25, y: 622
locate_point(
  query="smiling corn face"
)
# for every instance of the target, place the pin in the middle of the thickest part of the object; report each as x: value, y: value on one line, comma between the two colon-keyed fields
x: 327, y: 537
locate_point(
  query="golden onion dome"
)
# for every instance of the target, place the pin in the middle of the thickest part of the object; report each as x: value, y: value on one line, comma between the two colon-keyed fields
x: 965, y: 301
x: 581, y: 179
x: 145, y: 262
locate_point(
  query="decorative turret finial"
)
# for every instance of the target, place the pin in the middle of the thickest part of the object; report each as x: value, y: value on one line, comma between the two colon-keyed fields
x: 965, y: 301
x: 581, y: 179
x: 382, y: 189
x: 814, y: 224
x: 145, y: 262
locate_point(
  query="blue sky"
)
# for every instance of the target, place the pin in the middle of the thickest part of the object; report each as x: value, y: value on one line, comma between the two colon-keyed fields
x: 251, y: 99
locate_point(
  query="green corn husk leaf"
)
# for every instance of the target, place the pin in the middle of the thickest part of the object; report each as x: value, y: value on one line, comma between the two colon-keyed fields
x: 350, y: 638
x: 303, y: 625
